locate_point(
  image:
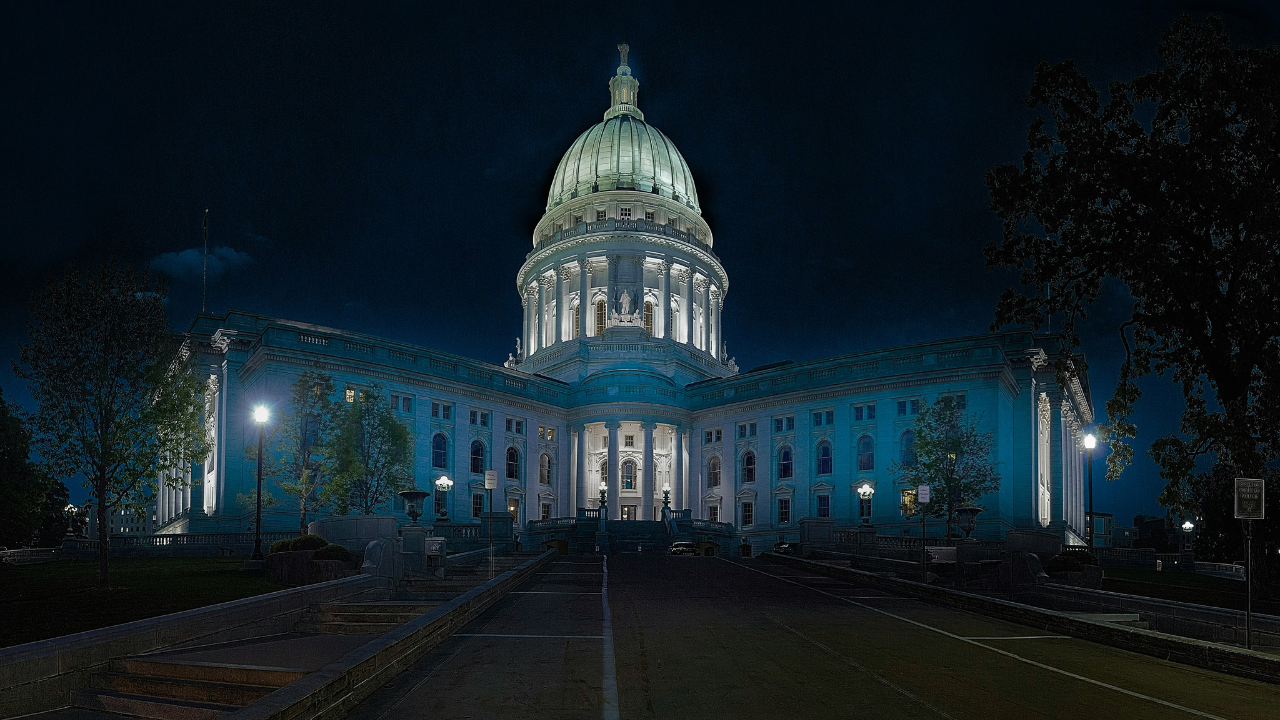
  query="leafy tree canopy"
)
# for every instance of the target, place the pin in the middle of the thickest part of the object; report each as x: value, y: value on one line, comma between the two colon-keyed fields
x: 1170, y: 185
x: 302, y: 445
x: 119, y: 400
x: 22, y: 485
x: 374, y: 453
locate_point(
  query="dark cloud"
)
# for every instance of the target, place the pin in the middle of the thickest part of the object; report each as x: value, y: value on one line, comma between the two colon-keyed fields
x: 190, y: 263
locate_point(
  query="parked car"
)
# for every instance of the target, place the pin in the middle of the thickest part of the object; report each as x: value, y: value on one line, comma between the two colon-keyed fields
x: 785, y: 548
x: 684, y: 548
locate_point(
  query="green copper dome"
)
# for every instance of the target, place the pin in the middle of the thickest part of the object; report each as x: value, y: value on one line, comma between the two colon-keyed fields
x: 623, y: 153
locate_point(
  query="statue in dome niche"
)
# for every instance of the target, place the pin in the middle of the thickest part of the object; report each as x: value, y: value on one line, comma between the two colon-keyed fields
x: 625, y: 302
x: 517, y: 347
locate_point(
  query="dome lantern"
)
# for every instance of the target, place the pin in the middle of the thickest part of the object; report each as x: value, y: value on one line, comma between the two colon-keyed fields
x: 624, y: 89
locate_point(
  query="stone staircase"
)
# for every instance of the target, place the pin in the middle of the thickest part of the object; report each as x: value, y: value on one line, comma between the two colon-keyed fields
x: 179, y: 691
x: 458, y: 579
x: 1126, y: 619
x: 643, y: 536
x: 365, y: 618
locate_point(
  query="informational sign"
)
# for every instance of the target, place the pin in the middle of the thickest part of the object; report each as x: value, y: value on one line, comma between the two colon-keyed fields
x: 490, y: 479
x: 922, y: 494
x: 1251, y: 499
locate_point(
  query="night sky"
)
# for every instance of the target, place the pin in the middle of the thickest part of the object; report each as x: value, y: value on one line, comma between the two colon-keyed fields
x: 380, y: 169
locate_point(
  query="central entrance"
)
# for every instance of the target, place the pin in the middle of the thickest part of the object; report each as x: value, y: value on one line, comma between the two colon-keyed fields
x: 628, y: 512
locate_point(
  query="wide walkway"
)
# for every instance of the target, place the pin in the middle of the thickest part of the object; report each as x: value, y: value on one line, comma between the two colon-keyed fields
x: 687, y: 637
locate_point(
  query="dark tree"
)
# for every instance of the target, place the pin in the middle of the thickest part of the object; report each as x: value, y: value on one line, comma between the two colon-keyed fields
x: 374, y: 454
x: 302, y: 444
x: 1171, y: 186
x: 55, y: 518
x: 22, y: 485
x: 119, y: 401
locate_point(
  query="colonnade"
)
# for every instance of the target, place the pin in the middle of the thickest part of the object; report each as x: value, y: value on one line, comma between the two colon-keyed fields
x: 687, y: 305
x: 598, y: 444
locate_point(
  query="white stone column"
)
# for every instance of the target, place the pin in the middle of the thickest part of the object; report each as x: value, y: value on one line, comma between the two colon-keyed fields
x: 564, y: 315
x: 528, y: 322
x: 575, y: 473
x: 541, y: 308
x: 614, y: 485
x: 664, y: 301
x: 648, y: 476
x: 700, y: 291
x: 584, y: 296
x: 713, y: 334
x: 686, y: 305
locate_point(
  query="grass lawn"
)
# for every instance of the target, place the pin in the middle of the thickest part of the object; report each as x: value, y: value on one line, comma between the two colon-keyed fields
x: 1184, y: 587
x: 38, y: 602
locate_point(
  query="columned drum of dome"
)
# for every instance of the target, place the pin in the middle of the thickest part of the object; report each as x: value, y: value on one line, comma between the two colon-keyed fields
x: 622, y: 267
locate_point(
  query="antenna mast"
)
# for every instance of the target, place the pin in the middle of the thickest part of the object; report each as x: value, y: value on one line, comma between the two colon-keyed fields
x: 204, y: 273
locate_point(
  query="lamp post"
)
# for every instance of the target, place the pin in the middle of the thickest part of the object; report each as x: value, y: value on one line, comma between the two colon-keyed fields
x: 1187, y: 528
x: 865, y: 491
x: 443, y: 483
x: 666, y: 496
x: 1090, y: 442
x: 260, y: 416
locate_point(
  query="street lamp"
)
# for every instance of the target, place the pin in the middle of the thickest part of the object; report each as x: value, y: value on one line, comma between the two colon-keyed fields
x: 443, y: 483
x: 1089, y: 443
x: 1187, y: 528
x: 260, y: 416
x: 666, y: 495
x: 865, y: 491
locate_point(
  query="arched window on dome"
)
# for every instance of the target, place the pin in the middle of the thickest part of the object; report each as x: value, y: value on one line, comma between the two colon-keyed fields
x: 866, y: 454
x: 439, y: 451
x: 713, y: 472
x: 513, y: 464
x: 784, y: 463
x: 477, y: 457
x: 824, y: 458
x: 749, y: 467
x: 600, y: 317
x: 648, y: 317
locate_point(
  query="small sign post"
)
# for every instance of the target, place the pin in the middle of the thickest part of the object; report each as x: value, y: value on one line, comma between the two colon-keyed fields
x: 1251, y: 504
x: 922, y: 499
x: 490, y: 482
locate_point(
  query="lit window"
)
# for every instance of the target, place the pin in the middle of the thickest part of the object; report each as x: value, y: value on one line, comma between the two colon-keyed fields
x: 784, y: 463
x: 551, y: 433
x: 824, y: 506
x: 866, y: 454
x: 477, y: 457
x: 784, y: 511
x: 824, y: 459
x: 628, y: 475
x: 544, y: 469
x: 600, y: 317
x: 908, y: 501
x: 749, y: 467
x: 599, y: 215
x: 624, y: 213
x: 648, y: 317
x: 542, y: 432
x: 748, y: 514
x: 713, y: 472
x: 439, y: 451
x: 513, y: 464
x: 351, y: 395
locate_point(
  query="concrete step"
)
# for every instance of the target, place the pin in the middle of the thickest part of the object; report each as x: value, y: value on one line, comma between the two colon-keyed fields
x: 1107, y: 617
x: 364, y: 617
x: 181, y: 688
x: 374, y: 607
x: 145, y: 706
x: 208, y: 672
x: 418, y: 595
x: 349, y: 628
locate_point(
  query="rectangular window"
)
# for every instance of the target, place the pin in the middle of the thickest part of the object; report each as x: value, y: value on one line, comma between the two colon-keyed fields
x: 551, y: 433
x: 446, y: 411
x: 628, y: 440
x: 519, y: 427
x: 624, y: 213
x: 599, y: 215
x: 713, y: 513
x: 706, y: 437
x: 748, y: 514
x: 742, y: 431
x: 831, y: 417
x: 577, y: 219
x: 406, y: 404
x: 351, y: 395
x: 817, y: 419
x: 791, y: 422
x: 909, y: 501
x: 477, y: 505
x: 475, y: 414
x: 628, y: 512
x: 484, y: 419
x: 824, y: 506
x: 542, y: 432
x: 902, y: 408
x: 915, y: 407
x: 777, y: 425
x: 718, y: 435
x: 395, y: 402
x: 546, y: 511
x: 435, y: 412
x: 864, y: 507
x: 751, y: 429
x: 648, y: 216
x: 857, y: 414
x: 784, y: 511
x: 871, y: 412
x: 510, y: 424
x: 442, y: 498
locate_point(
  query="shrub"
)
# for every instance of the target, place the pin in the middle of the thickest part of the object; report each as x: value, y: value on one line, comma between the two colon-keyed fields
x: 1071, y: 560
x: 305, y: 542
x: 332, y: 552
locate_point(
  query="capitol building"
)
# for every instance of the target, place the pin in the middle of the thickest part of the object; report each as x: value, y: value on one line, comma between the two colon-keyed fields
x: 621, y: 376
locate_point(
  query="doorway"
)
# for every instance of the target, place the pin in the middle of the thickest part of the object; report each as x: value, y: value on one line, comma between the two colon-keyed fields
x: 628, y: 512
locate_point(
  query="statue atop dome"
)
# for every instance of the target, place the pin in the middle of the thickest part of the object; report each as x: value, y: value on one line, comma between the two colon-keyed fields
x: 623, y: 49
x: 624, y: 89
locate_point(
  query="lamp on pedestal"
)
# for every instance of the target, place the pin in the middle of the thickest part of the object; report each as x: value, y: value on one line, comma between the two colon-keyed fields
x: 443, y: 484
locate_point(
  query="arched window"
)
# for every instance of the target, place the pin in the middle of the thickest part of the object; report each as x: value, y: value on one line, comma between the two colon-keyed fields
x: 600, y: 317
x: 513, y: 464
x: 784, y: 463
x: 439, y: 451
x: 628, y: 475
x: 908, y: 448
x: 713, y: 472
x: 577, y: 320
x: 477, y: 457
x: 604, y: 471
x: 544, y: 469
x: 866, y: 453
x: 648, y: 317
x: 749, y: 467
x: 824, y: 458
